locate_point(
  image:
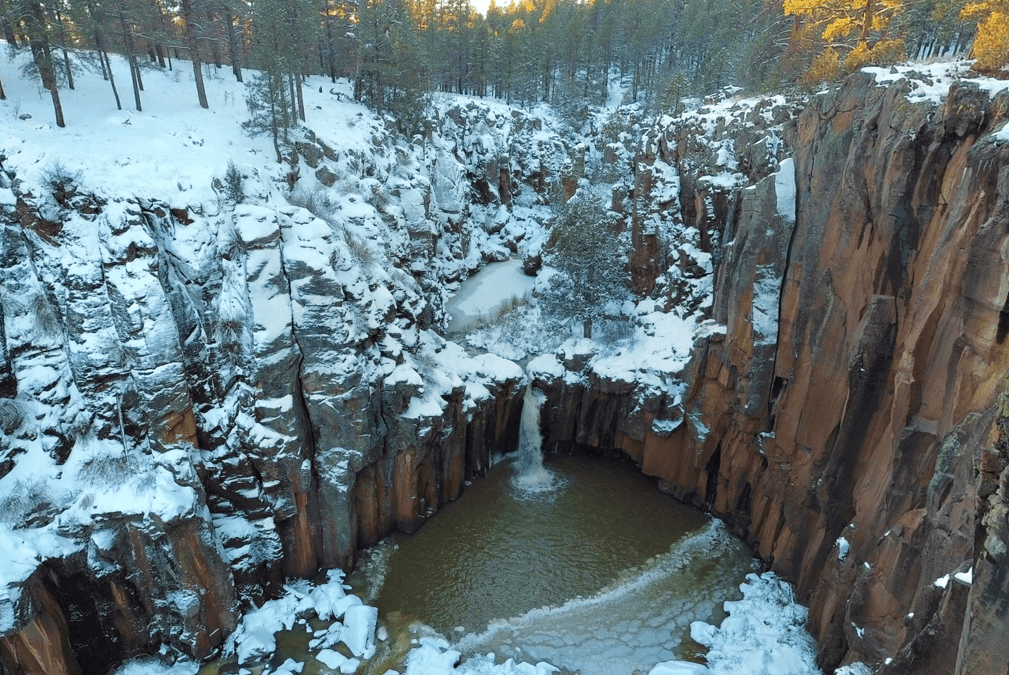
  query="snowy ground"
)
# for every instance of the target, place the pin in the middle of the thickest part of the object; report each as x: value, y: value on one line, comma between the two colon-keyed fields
x: 931, y: 81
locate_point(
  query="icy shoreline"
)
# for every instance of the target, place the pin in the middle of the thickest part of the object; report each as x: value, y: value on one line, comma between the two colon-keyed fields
x: 763, y: 634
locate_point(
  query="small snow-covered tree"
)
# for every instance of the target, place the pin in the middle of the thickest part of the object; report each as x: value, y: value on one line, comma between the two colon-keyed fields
x: 589, y: 263
x: 269, y: 109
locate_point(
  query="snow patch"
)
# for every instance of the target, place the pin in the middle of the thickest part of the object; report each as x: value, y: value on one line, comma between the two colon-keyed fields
x: 763, y: 634
x: 784, y: 189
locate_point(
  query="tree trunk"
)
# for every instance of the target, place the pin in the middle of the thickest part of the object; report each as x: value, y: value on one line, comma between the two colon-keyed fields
x: 3, y: 96
x: 103, y: 54
x: 159, y: 50
x: 329, y: 46
x: 66, y: 65
x: 215, y: 43
x: 587, y: 328
x: 9, y: 34
x: 134, y: 70
x: 273, y: 117
x: 194, y: 53
x: 112, y: 80
x: 870, y: 12
x: 236, y: 65
x: 163, y: 52
x: 35, y: 24
x: 101, y: 61
x: 63, y: 45
x: 301, y: 100
x: 294, y: 98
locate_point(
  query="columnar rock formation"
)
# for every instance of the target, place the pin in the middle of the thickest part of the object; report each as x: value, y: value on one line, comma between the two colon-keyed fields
x: 848, y: 420
x: 200, y: 400
x: 220, y: 399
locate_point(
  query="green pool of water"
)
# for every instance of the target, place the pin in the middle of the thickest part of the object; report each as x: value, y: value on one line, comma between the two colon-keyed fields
x: 602, y: 575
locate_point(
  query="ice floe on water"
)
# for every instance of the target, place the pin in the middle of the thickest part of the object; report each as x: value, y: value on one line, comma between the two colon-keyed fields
x: 763, y: 634
x: 488, y: 292
x: 435, y: 656
x: 635, y: 622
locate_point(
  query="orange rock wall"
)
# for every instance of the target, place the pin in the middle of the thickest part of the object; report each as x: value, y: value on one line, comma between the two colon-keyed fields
x: 871, y: 412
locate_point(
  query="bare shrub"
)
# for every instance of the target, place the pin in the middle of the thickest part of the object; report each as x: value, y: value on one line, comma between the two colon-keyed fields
x: 26, y: 498
x: 61, y: 179
x: 358, y: 248
x: 10, y: 305
x: 305, y: 200
x: 47, y: 319
x: 108, y: 469
x: 615, y: 331
x: 506, y: 312
x: 12, y: 414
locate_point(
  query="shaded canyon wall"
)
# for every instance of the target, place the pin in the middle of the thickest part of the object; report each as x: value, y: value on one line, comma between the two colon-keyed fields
x: 857, y: 389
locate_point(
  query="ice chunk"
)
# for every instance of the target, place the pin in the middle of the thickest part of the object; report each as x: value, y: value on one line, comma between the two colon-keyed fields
x: 336, y: 661
x: 343, y: 604
x: 856, y: 668
x: 256, y: 643
x: 327, y: 596
x: 359, y: 628
x: 679, y: 668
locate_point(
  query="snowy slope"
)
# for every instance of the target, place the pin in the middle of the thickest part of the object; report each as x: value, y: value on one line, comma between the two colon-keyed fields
x: 159, y: 338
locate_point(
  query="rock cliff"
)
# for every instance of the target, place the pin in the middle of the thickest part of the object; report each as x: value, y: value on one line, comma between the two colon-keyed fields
x: 203, y: 396
x: 848, y: 420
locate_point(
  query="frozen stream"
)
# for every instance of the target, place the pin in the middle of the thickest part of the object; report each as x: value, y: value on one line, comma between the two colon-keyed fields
x: 486, y: 292
x: 602, y: 576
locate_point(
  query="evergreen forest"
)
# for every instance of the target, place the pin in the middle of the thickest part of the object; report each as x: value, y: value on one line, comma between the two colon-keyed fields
x: 564, y: 52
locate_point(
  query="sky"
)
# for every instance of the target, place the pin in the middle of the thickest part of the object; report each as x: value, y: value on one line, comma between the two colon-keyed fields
x: 481, y: 5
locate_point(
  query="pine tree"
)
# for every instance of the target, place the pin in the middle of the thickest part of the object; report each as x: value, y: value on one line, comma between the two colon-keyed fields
x: 189, y: 15
x: 837, y: 21
x: 589, y: 275
x: 991, y: 43
x: 266, y: 94
x: 37, y: 27
x: 91, y: 19
x: 390, y: 67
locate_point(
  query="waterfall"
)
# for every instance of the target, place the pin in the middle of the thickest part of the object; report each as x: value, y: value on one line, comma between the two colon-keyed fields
x: 529, y: 472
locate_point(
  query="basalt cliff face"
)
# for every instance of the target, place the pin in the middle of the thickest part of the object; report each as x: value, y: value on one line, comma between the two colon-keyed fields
x: 850, y: 421
x: 199, y: 401
x: 222, y: 397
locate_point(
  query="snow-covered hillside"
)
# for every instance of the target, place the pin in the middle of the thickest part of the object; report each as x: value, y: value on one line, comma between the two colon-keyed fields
x: 174, y: 357
x: 219, y: 371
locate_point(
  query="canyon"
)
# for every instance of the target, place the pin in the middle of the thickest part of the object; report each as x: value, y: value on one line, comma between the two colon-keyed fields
x: 279, y: 389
